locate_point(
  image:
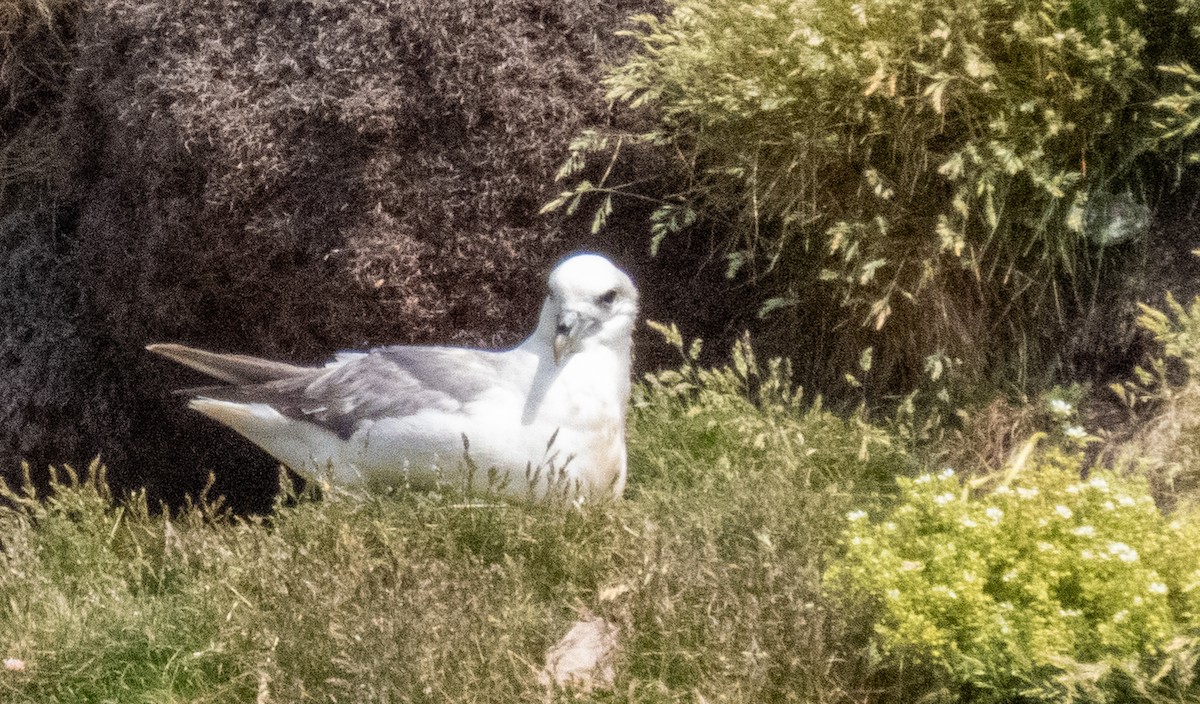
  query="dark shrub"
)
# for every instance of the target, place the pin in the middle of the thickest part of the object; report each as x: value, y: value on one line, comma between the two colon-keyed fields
x: 284, y: 178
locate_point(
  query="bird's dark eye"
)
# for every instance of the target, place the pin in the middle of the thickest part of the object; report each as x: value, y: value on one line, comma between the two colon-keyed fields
x: 607, y: 298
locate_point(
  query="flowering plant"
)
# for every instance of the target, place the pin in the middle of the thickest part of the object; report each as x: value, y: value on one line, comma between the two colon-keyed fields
x: 1019, y: 589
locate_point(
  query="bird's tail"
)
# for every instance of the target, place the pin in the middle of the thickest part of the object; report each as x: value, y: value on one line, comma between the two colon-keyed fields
x: 231, y: 368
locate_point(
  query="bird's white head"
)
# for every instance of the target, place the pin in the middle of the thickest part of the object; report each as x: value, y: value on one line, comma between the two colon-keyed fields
x: 589, y: 302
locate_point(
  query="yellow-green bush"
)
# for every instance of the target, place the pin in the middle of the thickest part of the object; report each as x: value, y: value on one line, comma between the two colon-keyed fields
x: 1044, y: 586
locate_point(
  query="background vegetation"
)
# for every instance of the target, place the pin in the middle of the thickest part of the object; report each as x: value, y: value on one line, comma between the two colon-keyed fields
x: 930, y: 179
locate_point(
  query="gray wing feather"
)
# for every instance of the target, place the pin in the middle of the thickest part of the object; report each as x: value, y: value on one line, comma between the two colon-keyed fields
x: 389, y: 381
x: 230, y: 368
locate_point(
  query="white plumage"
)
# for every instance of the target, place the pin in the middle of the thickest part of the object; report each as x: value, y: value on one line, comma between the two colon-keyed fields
x: 547, y: 413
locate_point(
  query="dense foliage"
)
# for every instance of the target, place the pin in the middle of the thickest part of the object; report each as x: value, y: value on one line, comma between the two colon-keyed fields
x: 1166, y: 389
x: 762, y: 554
x: 948, y: 172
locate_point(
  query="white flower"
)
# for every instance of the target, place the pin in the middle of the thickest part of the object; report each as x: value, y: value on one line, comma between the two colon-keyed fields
x: 1121, y: 617
x: 943, y: 499
x: 14, y: 664
x: 1158, y: 588
x: 1002, y: 491
x: 1060, y: 407
x: 1044, y: 546
x: 1087, y: 554
x: 856, y: 515
x: 1123, y: 552
x: 946, y: 473
x: 1063, y: 511
x: 1075, y: 432
x: 812, y: 37
x: 911, y: 566
x: 1084, y: 531
x: 1027, y: 493
x: 1109, y: 506
x: 1098, y: 483
x: 1009, y: 576
x: 1125, y: 500
x: 994, y: 513
x: 923, y: 479
x: 968, y: 523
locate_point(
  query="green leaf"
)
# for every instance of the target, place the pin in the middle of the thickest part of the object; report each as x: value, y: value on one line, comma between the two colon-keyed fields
x: 602, y: 214
x: 869, y: 269
x: 774, y: 304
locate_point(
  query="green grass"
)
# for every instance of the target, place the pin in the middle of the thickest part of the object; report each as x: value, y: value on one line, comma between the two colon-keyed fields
x: 711, y: 569
x: 716, y: 569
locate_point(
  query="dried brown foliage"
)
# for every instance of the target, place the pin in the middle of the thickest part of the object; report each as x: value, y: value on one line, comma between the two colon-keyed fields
x: 303, y: 154
x: 284, y: 177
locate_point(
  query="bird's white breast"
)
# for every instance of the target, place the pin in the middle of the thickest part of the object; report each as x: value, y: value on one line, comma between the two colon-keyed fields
x: 574, y: 432
x: 586, y: 409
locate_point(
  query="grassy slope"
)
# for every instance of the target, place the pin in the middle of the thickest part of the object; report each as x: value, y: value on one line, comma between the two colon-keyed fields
x: 711, y: 568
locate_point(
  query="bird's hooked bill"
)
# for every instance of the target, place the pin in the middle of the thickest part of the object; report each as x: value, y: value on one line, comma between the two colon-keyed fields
x: 567, y: 331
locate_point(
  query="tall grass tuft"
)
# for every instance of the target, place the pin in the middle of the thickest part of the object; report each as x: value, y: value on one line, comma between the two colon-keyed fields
x: 1163, y: 401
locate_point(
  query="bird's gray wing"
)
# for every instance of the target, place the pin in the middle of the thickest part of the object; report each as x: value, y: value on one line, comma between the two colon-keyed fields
x: 386, y: 382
